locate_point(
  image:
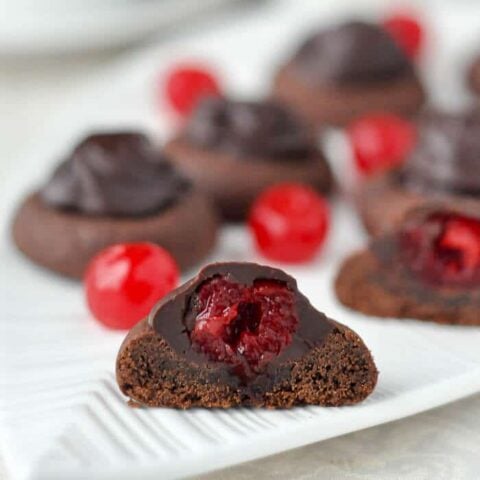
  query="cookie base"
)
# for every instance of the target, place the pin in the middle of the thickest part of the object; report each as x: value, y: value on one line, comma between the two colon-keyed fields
x: 339, y: 372
x: 65, y: 241
x: 233, y: 184
x: 334, y: 105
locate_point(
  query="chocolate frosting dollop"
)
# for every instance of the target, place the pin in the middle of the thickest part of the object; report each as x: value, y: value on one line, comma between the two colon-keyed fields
x: 447, y: 155
x: 118, y: 174
x: 351, y: 53
x: 262, y: 130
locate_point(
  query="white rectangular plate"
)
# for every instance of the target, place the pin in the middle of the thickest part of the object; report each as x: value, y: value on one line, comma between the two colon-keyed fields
x: 61, y: 414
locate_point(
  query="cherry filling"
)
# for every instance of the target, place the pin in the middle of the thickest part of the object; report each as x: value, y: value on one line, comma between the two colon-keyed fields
x: 444, y: 249
x: 245, y: 326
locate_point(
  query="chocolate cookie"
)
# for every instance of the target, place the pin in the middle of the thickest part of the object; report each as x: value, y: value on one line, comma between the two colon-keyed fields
x: 443, y: 167
x: 241, y: 334
x: 234, y: 150
x: 113, y: 188
x: 346, y: 71
x: 428, y: 270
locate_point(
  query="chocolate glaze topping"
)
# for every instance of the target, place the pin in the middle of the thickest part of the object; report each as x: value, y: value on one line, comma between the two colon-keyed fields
x: 171, y: 320
x: 264, y: 130
x: 351, y: 53
x: 114, y: 174
x: 447, y: 156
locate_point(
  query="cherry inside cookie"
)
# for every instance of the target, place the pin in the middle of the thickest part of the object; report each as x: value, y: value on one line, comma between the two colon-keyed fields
x: 242, y: 325
x: 444, y: 249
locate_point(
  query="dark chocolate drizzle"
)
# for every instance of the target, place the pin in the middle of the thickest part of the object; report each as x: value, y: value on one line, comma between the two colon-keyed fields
x: 118, y: 174
x: 262, y: 130
x: 447, y: 156
x: 351, y: 53
x: 168, y: 319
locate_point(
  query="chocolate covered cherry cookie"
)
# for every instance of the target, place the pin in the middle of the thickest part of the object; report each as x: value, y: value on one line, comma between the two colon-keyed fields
x: 241, y: 334
x: 113, y: 188
x: 427, y: 269
x: 348, y: 70
x: 233, y: 150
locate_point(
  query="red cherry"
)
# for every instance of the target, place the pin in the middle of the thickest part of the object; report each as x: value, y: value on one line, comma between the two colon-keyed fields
x: 289, y: 222
x: 185, y: 86
x: 245, y: 326
x: 463, y: 237
x: 406, y: 31
x: 444, y: 249
x: 123, y: 282
x: 380, y: 141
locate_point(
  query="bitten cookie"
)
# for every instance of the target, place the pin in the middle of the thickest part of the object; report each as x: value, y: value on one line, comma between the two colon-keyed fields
x: 348, y: 70
x: 241, y: 334
x: 113, y: 188
x: 429, y: 269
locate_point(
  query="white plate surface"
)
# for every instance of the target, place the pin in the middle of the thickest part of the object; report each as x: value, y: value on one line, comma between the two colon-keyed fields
x: 61, y: 414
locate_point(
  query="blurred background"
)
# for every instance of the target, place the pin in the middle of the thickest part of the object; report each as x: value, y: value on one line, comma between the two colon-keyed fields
x: 51, y: 48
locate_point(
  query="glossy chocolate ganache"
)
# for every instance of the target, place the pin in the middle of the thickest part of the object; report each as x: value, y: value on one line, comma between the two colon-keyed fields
x: 260, y: 130
x: 117, y: 174
x: 351, y: 53
x: 447, y: 156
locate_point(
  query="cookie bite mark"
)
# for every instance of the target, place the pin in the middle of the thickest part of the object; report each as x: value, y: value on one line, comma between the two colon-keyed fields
x: 427, y: 270
x: 242, y: 335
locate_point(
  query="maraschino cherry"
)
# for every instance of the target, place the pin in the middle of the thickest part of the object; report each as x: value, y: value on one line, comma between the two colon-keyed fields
x: 380, y: 141
x: 444, y: 249
x: 407, y: 31
x: 124, y: 281
x: 289, y: 222
x: 186, y: 85
x: 243, y: 325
